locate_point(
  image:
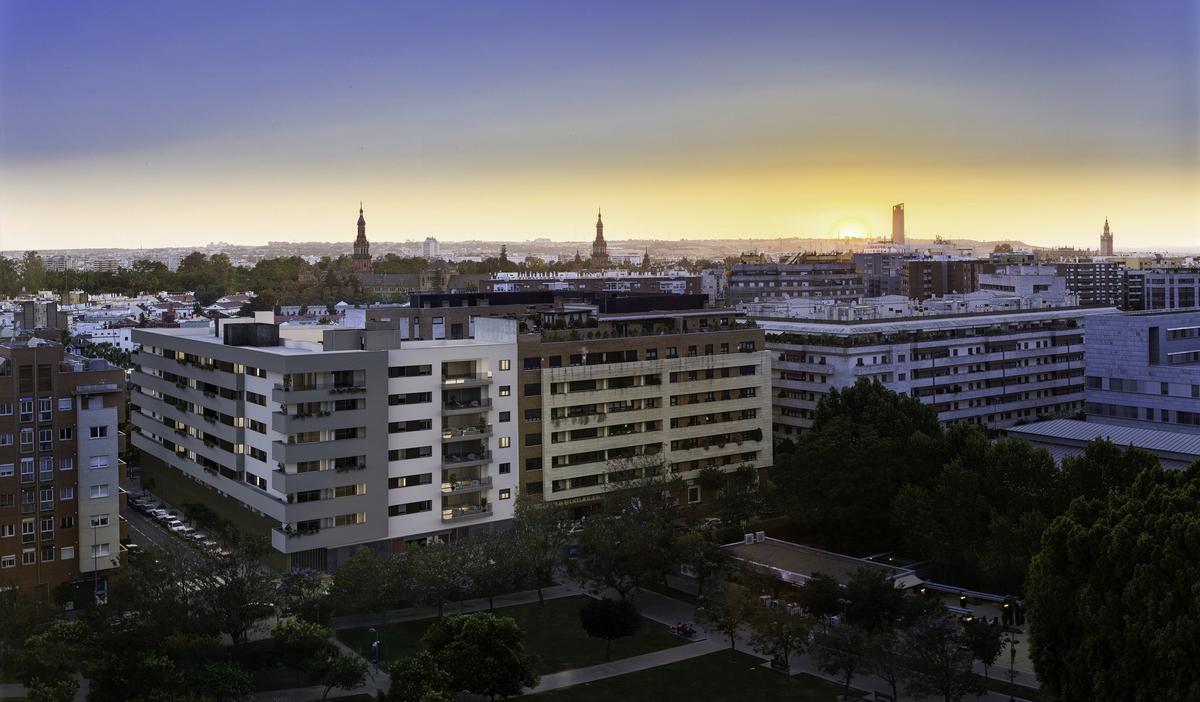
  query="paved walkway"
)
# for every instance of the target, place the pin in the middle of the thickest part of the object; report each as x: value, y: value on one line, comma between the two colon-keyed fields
x: 13, y: 690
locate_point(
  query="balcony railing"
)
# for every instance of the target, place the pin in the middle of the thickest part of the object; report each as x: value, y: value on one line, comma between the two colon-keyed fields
x: 336, y: 387
x: 463, y: 459
x: 455, y: 487
x: 458, y: 433
x: 466, y: 379
x: 451, y: 514
x: 477, y: 405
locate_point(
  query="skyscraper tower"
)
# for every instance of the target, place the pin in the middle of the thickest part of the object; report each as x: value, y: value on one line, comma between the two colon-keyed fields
x: 898, y: 223
x: 599, y: 246
x: 1106, y: 240
x: 362, y: 248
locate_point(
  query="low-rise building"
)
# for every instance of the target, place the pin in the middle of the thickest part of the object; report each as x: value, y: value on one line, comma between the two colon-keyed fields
x: 829, y: 276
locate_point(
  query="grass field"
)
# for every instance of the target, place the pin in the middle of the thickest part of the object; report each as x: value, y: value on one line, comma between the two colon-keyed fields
x: 552, y: 633
x: 716, y: 677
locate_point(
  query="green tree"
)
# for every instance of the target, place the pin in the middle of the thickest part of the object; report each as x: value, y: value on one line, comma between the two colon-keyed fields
x: 437, y: 573
x: 33, y: 272
x: 540, y: 537
x: 484, y: 654
x: 1111, y: 595
x: 62, y: 690
x: 418, y: 678
x: 984, y: 640
x: 609, y: 619
x: 885, y: 659
x: 492, y: 566
x: 702, y: 556
x: 365, y: 583
x: 726, y: 609
x: 821, y: 596
x: 220, y: 680
x: 865, y: 444
x: 300, y: 644
x: 345, y: 671
x: 939, y: 660
x: 874, y: 602
x: 779, y: 631
x: 240, y: 590
x: 841, y: 651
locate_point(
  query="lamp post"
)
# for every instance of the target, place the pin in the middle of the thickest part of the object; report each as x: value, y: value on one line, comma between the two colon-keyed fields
x: 375, y: 645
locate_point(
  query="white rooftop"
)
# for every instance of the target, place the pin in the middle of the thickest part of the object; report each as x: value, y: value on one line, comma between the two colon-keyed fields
x: 1181, y: 447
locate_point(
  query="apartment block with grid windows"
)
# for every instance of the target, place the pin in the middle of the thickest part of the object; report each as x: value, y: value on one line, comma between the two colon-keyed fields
x: 607, y: 395
x: 340, y: 437
x: 60, y: 469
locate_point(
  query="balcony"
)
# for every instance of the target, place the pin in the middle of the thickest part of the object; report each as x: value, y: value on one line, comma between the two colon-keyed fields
x: 453, y: 514
x: 96, y: 388
x: 458, y: 487
x: 466, y: 380
x: 317, y: 421
x: 282, y: 452
x: 456, y: 407
x: 296, y: 394
x: 462, y: 460
x: 466, y: 433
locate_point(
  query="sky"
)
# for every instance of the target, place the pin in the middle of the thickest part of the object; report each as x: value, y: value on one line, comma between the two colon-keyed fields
x: 127, y: 124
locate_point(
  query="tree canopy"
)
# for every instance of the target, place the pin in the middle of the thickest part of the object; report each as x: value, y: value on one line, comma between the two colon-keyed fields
x: 1114, y: 605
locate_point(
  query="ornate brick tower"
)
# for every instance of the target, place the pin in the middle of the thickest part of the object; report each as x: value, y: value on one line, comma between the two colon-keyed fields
x: 599, y: 246
x: 362, y: 248
x: 1106, y: 240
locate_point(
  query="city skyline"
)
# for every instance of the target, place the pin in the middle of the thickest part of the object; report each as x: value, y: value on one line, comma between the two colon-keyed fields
x: 146, y: 125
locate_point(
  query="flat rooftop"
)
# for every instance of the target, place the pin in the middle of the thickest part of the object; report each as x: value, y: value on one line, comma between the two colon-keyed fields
x: 798, y: 563
x: 1069, y: 437
x: 932, y: 323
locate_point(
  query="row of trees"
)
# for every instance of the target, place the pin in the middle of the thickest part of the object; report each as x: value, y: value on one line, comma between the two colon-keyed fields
x: 878, y: 472
x: 159, y: 635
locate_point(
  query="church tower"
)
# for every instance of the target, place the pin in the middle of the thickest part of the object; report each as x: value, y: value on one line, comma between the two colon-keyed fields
x: 599, y: 246
x: 362, y: 248
x: 1106, y: 240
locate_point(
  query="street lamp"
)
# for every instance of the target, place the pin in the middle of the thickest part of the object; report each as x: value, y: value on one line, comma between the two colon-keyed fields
x: 375, y: 646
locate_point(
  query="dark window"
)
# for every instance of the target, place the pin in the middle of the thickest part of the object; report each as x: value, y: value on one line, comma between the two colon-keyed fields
x: 533, y: 362
x: 410, y: 453
x: 505, y: 416
x: 533, y: 463
x: 505, y: 468
x: 533, y: 439
x: 410, y: 508
x: 532, y: 389
x: 410, y: 480
x: 533, y: 415
x: 255, y: 398
x: 410, y: 425
x: 556, y: 361
x: 411, y: 398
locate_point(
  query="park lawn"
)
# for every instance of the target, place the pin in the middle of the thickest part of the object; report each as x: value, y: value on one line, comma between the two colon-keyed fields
x: 715, y: 677
x: 1004, y: 687
x: 258, y: 658
x: 552, y: 633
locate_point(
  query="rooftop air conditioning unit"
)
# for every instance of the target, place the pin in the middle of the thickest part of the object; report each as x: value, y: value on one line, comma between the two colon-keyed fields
x: 748, y: 539
x: 759, y: 536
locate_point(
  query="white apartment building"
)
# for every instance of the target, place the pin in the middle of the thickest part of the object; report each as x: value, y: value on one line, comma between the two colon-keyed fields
x: 994, y: 369
x: 344, y: 437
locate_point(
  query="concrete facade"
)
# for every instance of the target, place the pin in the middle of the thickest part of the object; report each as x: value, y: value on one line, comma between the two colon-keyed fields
x: 1143, y: 369
x: 993, y: 369
x: 345, y: 437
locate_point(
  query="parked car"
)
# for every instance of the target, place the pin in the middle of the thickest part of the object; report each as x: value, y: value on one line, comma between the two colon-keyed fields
x: 198, y: 537
x: 184, y: 531
x: 175, y: 525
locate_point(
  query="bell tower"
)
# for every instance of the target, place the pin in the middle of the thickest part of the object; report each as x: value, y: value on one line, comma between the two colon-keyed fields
x: 362, y: 247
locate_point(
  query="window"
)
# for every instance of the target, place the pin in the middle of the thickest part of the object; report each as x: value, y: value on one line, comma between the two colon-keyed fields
x: 410, y: 453
x: 505, y: 390
x: 410, y: 508
x: 693, y: 494
x: 410, y: 480
x: 672, y: 352
x: 47, y: 553
x: 532, y: 389
x: 8, y: 561
x: 64, y: 404
x: 26, y: 439
x: 98, y: 462
x: 533, y: 415
x: 99, y: 432
x: 410, y: 425
x: 6, y: 470
x: 28, y: 556
x: 67, y: 553
x: 255, y: 398
x: 7, y: 531
x: 25, y: 405
x: 100, y: 520
x: 505, y: 364
x: 412, y: 398
x: 505, y: 468
x: 66, y: 434
x: 66, y: 523
x: 100, y: 550
x: 256, y: 426
x: 533, y: 438
x: 505, y: 493
x: 5, y: 408
x: 96, y: 491
x: 533, y: 463
x: 6, y: 439
x: 66, y: 463
x: 409, y: 371
x: 505, y: 442
x: 45, y: 409
x: 46, y: 439
x: 505, y: 416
